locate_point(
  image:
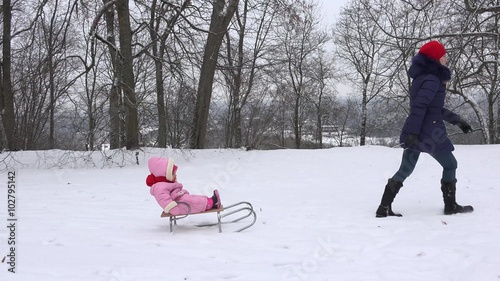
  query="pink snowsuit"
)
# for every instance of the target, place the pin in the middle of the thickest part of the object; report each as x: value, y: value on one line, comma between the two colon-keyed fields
x: 170, y: 193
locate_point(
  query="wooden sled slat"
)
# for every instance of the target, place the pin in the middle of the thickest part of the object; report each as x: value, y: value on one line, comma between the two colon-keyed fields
x: 174, y: 218
x: 168, y: 215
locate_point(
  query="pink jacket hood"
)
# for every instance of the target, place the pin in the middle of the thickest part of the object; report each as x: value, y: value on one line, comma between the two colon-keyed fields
x: 162, y: 167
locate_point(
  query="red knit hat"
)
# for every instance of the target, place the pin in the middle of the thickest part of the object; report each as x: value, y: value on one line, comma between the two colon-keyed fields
x: 433, y: 49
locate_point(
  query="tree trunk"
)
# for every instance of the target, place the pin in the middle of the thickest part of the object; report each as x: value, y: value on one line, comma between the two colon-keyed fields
x: 234, y: 135
x: 129, y: 100
x: 219, y: 22
x: 8, y: 117
x: 160, y: 103
x: 238, y: 139
x: 364, y: 103
x: 52, y: 88
x: 158, y: 52
x: 319, y: 129
x: 296, y: 122
x: 114, y: 117
x: 114, y: 93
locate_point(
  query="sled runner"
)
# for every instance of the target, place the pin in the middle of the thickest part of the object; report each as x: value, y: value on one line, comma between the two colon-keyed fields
x: 244, y: 211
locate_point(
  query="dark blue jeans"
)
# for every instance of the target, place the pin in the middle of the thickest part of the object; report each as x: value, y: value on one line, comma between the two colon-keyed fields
x: 410, y: 159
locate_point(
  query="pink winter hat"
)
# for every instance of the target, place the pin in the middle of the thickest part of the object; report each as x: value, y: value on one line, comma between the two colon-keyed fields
x: 162, y: 167
x: 433, y: 49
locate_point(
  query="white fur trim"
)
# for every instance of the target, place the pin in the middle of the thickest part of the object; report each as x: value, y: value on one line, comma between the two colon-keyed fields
x: 170, y: 206
x: 170, y: 168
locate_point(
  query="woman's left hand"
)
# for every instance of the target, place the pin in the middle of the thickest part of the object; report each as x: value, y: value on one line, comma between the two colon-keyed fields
x: 464, y: 126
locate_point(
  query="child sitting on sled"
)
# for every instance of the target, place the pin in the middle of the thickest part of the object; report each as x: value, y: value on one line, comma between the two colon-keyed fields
x: 169, y: 193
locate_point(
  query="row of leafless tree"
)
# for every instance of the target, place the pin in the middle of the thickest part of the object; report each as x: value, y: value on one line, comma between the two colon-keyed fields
x: 378, y: 38
x: 256, y: 73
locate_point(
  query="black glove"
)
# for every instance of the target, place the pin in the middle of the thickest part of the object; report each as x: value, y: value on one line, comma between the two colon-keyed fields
x: 464, y: 126
x: 411, y: 140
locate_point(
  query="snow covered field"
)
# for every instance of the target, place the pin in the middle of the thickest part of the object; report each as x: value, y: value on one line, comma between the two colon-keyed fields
x: 78, y: 220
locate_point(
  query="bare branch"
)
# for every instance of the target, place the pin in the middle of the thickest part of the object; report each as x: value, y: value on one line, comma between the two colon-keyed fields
x: 478, y: 10
x: 102, y: 10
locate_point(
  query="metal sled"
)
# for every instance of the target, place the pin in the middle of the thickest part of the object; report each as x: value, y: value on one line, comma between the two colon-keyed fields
x: 244, y: 211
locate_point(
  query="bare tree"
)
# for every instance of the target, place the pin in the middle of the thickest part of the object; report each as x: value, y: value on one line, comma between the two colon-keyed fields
x: 300, y: 40
x: 130, y: 101
x: 115, y: 91
x: 42, y: 47
x: 344, y: 117
x: 125, y: 65
x: 252, y: 27
x: 260, y: 118
x: 477, y: 62
x: 55, y: 23
x: 221, y: 17
x: 470, y: 33
x: 322, y: 75
x: 6, y: 92
x: 362, y: 45
x: 163, y: 17
x: 280, y: 106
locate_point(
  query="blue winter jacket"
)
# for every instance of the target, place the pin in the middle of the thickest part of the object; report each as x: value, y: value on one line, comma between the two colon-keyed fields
x: 427, y: 112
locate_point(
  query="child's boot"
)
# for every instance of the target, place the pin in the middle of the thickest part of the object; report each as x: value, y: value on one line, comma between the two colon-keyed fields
x: 216, y: 200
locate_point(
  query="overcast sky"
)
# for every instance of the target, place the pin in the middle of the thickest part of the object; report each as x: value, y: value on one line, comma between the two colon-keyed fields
x: 330, y: 9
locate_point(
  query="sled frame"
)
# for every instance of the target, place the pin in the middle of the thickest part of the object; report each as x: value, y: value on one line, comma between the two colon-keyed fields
x: 245, y: 210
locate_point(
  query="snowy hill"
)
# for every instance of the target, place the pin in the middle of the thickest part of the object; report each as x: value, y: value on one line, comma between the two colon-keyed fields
x: 92, y: 217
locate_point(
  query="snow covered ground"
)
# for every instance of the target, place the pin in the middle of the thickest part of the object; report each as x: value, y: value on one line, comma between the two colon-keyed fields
x: 79, y: 218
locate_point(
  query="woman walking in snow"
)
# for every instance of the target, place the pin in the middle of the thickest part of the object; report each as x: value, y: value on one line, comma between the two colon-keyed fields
x: 424, y: 129
x: 170, y: 194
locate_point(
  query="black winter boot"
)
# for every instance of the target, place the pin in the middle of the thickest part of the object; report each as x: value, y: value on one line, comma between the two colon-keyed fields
x: 385, y: 208
x: 450, y: 205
